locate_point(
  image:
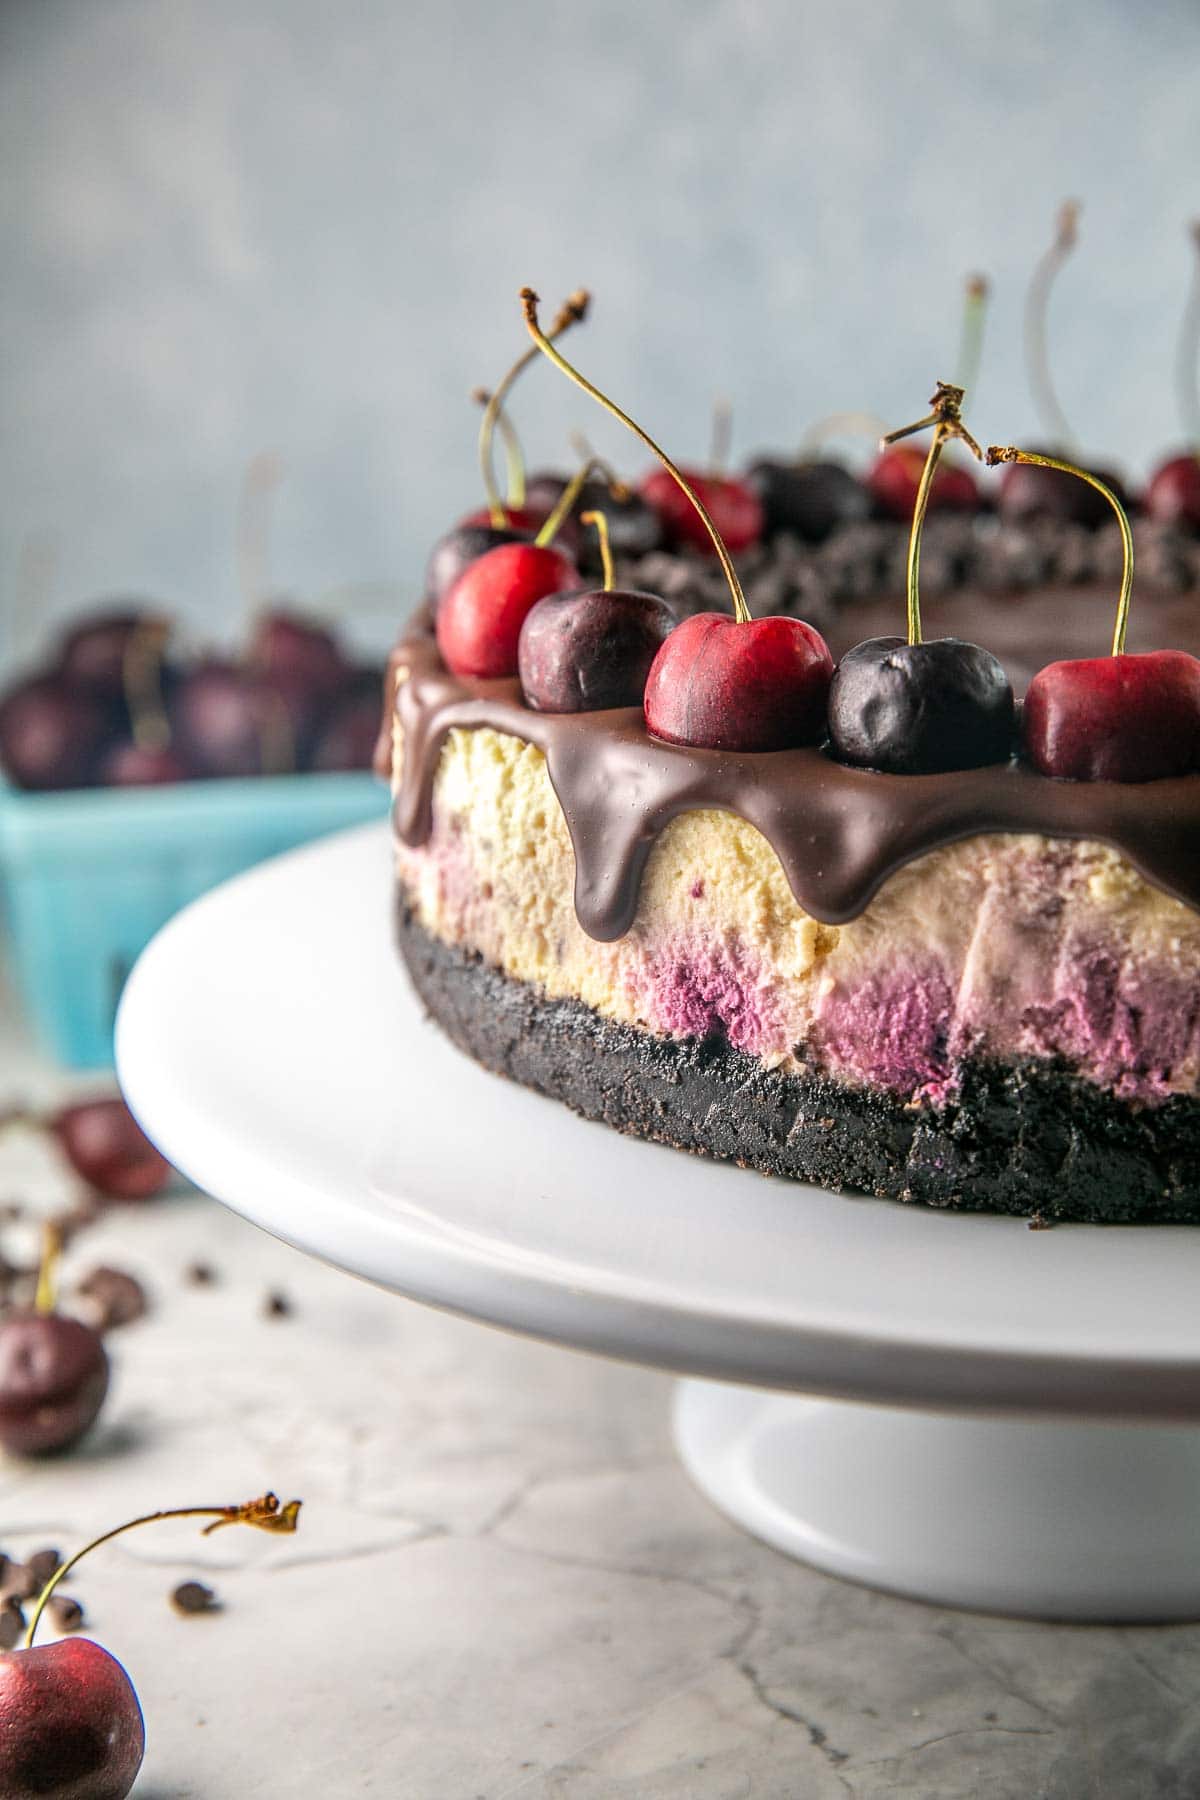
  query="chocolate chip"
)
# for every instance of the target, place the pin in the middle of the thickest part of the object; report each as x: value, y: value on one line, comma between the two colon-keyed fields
x: 12, y: 1624
x: 194, y: 1597
x: 113, y: 1298
x: 19, y: 1582
x: 65, y: 1613
x: 277, y: 1306
x: 200, y: 1274
x: 41, y: 1566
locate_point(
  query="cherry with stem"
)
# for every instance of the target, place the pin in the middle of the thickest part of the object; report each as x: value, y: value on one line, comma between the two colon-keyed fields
x: 1121, y: 717
x: 909, y: 706
x: 716, y: 682
x: 572, y: 312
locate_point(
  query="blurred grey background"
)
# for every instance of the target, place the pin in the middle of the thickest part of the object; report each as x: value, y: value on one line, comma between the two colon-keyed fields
x: 232, y: 225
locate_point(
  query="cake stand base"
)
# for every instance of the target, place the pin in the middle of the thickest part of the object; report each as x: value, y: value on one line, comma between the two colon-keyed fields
x: 1048, y: 1518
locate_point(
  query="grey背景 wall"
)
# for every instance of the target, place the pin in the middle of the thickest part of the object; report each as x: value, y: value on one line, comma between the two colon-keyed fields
x: 238, y: 224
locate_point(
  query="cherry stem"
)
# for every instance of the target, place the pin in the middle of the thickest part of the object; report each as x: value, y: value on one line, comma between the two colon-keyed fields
x: 573, y: 310
x: 265, y: 1514
x: 599, y: 521
x: 529, y: 301
x: 263, y: 475
x: 514, y: 456
x: 722, y: 435
x: 583, y: 450
x: 947, y: 422
x: 1037, y: 360
x: 1008, y: 453
x: 141, y: 677
x: 47, y: 1281
x: 570, y: 494
x: 839, y: 424
x: 970, y: 342
x: 1187, y: 360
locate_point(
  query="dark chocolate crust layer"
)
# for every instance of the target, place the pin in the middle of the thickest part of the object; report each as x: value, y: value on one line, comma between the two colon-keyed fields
x: 1026, y: 1139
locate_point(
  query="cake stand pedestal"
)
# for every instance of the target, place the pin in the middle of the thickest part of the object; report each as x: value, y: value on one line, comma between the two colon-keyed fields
x: 945, y: 1406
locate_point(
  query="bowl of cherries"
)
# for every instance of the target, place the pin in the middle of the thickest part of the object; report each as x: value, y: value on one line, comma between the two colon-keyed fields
x: 133, y: 778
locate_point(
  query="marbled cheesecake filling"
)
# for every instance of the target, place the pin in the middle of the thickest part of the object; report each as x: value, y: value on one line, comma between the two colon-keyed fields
x: 1004, y: 946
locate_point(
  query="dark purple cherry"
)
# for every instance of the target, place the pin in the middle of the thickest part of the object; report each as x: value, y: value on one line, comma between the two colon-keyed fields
x: 71, y: 1727
x: 226, y: 721
x: 583, y: 652
x: 458, y: 549
x: 810, y: 499
x: 52, y: 733
x: 1029, y: 492
x: 348, y: 736
x: 919, y: 709
x: 53, y: 1379
x: 92, y: 653
x: 300, y: 652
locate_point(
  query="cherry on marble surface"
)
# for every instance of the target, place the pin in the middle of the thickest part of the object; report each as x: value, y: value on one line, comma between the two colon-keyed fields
x: 71, y: 1727
x: 53, y: 1379
x: 108, y: 1149
x: 721, y: 684
x: 920, y: 709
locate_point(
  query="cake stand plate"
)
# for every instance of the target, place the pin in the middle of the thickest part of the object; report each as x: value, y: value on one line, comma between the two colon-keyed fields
x: 962, y: 1409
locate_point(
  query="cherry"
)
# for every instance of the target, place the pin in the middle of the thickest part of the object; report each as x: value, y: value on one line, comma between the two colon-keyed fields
x: 71, y: 1727
x: 92, y: 653
x: 458, y: 550
x: 732, y: 505
x: 129, y: 764
x: 1117, y: 717
x: 1031, y: 491
x: 108, y: 1149
x: 479, y: 621
x: 895, y: 476
x: 725, y: 684
x: 53, y: 1379
x: 348, y: 736
x: 298, y: 652
x: 810, y: 499
x: 584, y: 652
x: 52, y: 733
x: 718, y: 682
x: 1173, y: 494
x: 919, y: 709
x: 909, y: 707
x: 523, y: 521
x: 226, y: 721
x: 573, y: 310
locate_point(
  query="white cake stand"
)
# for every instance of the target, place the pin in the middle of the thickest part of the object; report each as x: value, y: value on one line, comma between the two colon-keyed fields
x: 946, y: 1406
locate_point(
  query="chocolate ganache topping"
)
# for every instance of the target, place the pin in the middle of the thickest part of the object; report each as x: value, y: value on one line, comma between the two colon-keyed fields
x: 838, y: 832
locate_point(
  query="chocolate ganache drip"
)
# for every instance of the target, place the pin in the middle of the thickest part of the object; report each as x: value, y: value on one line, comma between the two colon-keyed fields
x: 838, y: 832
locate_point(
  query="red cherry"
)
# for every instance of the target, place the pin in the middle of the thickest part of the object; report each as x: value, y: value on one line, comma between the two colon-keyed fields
x: 70, y: 1724
x: 520, y: 518
x: 1173, y: 496
x: 104, y: 1144
x: 479, y: 621
x: 896, y: 475
x: 53, y: 1379
x: 723, y: 685
x: 734, y: 506
x: 136, y: 765
x: 1115, y: 718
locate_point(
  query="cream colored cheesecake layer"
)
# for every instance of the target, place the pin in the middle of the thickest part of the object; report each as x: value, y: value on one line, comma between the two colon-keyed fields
x: 1009, y: 944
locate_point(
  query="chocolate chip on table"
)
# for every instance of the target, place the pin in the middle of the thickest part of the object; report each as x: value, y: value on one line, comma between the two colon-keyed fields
x: 65, y: 1613
x: 200, y: 1274
x: 113, y: 1298
x: 277, y: 1306
x: 194, y: 1597
x: 12, y: 1624
x: 41, y: 1566
x: 18, y: 1582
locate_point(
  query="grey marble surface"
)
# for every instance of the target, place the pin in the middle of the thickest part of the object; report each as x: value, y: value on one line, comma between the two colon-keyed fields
x: 503, y: 1584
